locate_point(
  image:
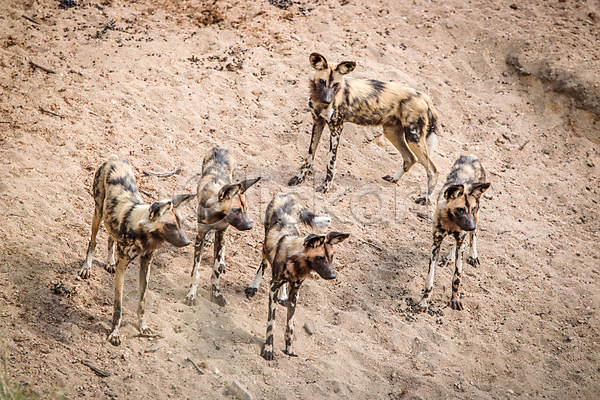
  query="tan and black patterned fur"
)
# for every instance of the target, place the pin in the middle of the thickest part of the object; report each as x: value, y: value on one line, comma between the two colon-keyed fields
x: 293, y: 258
x: 221, y: 203
x: 408, y: 118
x: 135, y: 229
x: 456, y: 214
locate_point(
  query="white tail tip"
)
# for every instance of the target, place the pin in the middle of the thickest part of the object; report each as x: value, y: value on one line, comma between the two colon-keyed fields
x: 432, y: 142
x: 321, y: 222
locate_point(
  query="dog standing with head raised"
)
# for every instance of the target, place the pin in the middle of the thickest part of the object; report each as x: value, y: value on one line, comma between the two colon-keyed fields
x: 220, y: 203
x: 456, y: 214
x: 408, y: 118
x: 135, y: 229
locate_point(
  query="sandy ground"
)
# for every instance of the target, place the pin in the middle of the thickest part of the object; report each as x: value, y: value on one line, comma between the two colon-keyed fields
x: 160, y: 83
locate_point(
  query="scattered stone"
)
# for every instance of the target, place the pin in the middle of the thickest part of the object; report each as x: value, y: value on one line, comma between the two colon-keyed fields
x: 239, y: 392
x: 153, y: 349
x: 308, y: 329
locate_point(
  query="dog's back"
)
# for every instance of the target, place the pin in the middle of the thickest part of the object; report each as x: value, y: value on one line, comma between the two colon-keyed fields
x: 115, y: 191
x: 467, y: 171
x: 282, y: 217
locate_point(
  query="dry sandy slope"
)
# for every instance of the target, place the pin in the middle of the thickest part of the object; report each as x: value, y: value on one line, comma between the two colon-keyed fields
x: 153, y: 84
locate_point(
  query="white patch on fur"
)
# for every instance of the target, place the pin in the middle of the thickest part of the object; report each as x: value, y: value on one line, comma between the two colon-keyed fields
x: 432, y: 142
x: 327, y: 113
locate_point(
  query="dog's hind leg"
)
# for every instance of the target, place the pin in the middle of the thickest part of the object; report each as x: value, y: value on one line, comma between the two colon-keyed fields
x: 110, y: 264
x: 218, y: 269
x: 420, y: 150
x: 122, y: 263
x: 84, y: 273
x: 143, y: 285
x: 395, y: 134
x: 253, y: 287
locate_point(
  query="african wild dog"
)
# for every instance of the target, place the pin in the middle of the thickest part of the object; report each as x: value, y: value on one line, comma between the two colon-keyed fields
x: 408, y: 117
x: 456, y: 213
x: 220, y: 204
x: 293, y: 215
x: 293, y: 258
x: 137, y: 229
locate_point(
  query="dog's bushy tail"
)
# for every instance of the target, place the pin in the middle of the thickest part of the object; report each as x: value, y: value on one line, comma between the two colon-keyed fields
x: 431, y: 135
x: 317, y: 222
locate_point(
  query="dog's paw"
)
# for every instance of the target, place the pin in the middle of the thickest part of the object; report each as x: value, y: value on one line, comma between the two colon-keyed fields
x: 114, y: 338
x: 324, y: 188
x: 456, y: 305
x: 389, y: 178
x: 422, y: 201
x: 190, y: 299
x: 250, y: 291
x: 145, y: 329
x: 283, y: 302
x: 290, y: 353
x: 219, y: 299
x: 474, y: 262
x: 267, y: 353
x: 84, y: 273
x: 296, y: 180
x: 110, y: 268
x: 421, y: 306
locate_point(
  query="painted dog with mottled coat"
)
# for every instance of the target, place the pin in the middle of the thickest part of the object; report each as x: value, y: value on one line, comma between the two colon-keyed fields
x: 135, y: 229
x: 456, y: 214
x: 293, y: 258
x: 221, y: 203
x: 408, y: 118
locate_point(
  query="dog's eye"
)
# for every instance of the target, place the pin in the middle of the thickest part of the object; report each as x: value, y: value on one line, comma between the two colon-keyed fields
x: 336, y: 85
x: 321, y: 82
x: 460, y: 210
x: 170, y: 226
x: 319, y: 258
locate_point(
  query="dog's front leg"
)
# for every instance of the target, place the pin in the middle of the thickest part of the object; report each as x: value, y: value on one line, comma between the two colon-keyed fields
x: 433, y: 259
x: 335, y: 129
x: 190, y: 299
x: 218, y: 269
x: 143, y: 282
x: 455, y: 302
x: 291, y: 309
x: 473, y: 259
x: 122, y: 263
x: 317, y: 131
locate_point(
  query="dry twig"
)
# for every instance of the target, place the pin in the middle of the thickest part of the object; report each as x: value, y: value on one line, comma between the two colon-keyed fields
x: 95, y: 369
x: 195, y: 366
x: 51, y: 112
x: 30, y: 19
x: 48, y: 70
x: 371, y: 244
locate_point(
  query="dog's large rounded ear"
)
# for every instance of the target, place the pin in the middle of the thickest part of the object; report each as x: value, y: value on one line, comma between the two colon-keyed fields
x: 345, y: 67
x: 317, y: 61
x: 454, y: 192
x: 228, y: 191
x: 313, y: 240
x: 336, y: 237
x: 247, y: 183
x: 159, y: 208
x: 182, y: 199
x: 479, y: 189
